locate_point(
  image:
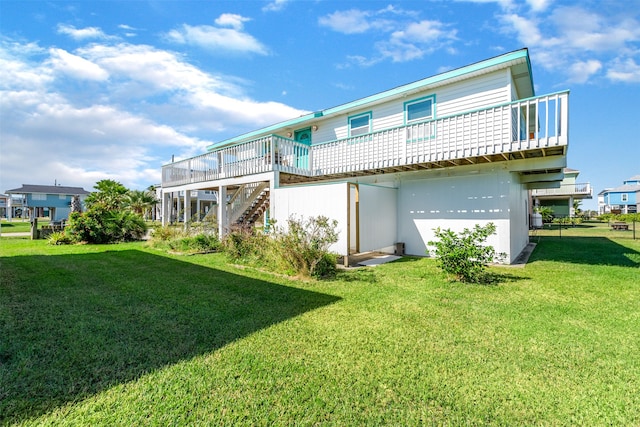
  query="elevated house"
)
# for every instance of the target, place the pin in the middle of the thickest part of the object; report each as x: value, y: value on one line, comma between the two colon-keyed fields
x: 53, y: 201
x: 624, y: 199
x: 453, y: 150
x: 561, y: 199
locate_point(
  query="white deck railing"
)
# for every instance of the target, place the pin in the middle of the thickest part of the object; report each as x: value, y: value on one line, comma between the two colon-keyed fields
x: 582, y: 189
x: 534, y: 123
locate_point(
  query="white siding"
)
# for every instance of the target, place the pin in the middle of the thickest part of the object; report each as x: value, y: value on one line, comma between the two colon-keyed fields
x: 519, y: 210
x: 466, y: 95
x: 313, y: 200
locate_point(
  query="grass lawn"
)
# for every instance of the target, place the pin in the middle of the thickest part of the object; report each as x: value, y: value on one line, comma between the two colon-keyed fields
x: 124, y: 335
x: 19, y: 225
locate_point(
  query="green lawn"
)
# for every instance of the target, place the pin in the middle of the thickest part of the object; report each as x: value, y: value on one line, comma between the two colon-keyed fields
x: 124, y: 335
x: 20, y: 225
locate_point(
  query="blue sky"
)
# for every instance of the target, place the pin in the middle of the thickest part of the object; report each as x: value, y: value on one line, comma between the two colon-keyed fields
x: 97, y: 90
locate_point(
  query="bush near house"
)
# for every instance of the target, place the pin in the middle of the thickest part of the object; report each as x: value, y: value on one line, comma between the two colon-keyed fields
x: 464, y: 254
x: 109, y: 217
x: 302, y: 248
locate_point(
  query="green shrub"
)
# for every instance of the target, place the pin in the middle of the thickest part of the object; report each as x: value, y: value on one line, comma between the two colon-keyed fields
x: 98, y: 225
x: 193, y: 239
x: 246, y: 244
x: 195, y: 244
x: 464, y: 255
x: 59, y: 238
x: 304, y: 245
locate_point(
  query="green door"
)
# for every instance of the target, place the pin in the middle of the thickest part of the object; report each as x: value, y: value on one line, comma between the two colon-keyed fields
x: 302, y: 136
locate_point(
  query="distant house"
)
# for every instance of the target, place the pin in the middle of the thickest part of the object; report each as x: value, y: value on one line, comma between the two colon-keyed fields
x: 561, y: 198
x: 53, y: 201
x: 451, y: 150
x: 4, y: 203
x: 624, y: 199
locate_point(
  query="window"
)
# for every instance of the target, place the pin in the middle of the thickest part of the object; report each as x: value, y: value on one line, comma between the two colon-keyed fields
x: 624, y: 197
x: 360, y: 125
x: 37, y: 196
x: 62, y: 197
x: 420, y: 109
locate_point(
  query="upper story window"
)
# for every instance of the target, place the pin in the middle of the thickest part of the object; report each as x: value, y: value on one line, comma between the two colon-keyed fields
x: 38, y: 196
x: 360, y: 124
x: 624, y: 197
x: 62, y: 196
x: 419, y: 109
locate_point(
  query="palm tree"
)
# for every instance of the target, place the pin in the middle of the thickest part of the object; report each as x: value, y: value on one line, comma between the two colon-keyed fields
x: 140, y: 202
x: 110, y: 195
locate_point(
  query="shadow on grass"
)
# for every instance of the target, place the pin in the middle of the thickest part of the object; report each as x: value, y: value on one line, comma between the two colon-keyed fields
x: 585, y: 250
x: 74, y: 325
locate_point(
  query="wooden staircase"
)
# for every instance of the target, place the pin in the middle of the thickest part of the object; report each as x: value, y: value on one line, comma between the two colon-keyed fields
x: 257, y: 208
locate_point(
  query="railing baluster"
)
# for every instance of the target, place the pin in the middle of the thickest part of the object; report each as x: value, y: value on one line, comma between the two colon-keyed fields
x: 503, y: 128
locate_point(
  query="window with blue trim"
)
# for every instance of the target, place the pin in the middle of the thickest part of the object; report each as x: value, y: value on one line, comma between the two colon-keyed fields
x: 360, y: 125
x: 416, y: 112
x: 421, y: 109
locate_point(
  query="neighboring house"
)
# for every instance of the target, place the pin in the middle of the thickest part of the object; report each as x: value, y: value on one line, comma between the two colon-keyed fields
x: 561, y: 199
x: 4, y: 203
x: 453, y: 150
x: 53, y: 201
x: 602, y: 207
x: 624, y: 199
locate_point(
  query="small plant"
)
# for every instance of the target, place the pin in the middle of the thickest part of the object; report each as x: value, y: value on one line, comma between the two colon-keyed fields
x: 304, y: 245
x: 193, y: 239
x: 59, y: 238
x: 464, y: 254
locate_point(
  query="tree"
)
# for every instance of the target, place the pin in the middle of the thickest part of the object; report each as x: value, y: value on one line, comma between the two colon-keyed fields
x: 140, y: 202
x: 546, y: 212
x: 108, y: 217
x: 465, y: 255
x: 576, y: 207
x: 110, y: 195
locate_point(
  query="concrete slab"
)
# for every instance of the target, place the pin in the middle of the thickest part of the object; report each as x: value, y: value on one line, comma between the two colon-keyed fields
x: 377, y: 260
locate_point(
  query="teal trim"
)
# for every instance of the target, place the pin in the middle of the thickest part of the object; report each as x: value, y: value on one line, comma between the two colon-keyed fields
x: 261, y: 132
x: 522, y: 54
x: 368, y: 114
x: 415, y: 101
x: 492, y: 62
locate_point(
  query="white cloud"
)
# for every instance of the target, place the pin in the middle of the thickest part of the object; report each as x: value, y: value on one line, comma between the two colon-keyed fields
x: 581, y: 71
x: 82, y: 145
x: 275, y: 6
x: 81, y: 33
x: 624, y: 71
x: 590, y: 31
x: 217, y: 39
x: 153, y: 104
x: 575, y: 42
x: 15, y: 72
x: 231, y: 20
x: 405, y: 37
x: 352, y: 21
x: 76, y: 66
x: 538, y: 5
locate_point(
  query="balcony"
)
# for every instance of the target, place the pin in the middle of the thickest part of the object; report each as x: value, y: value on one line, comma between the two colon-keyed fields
x: 535, y: 127
x: 581, y: 191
